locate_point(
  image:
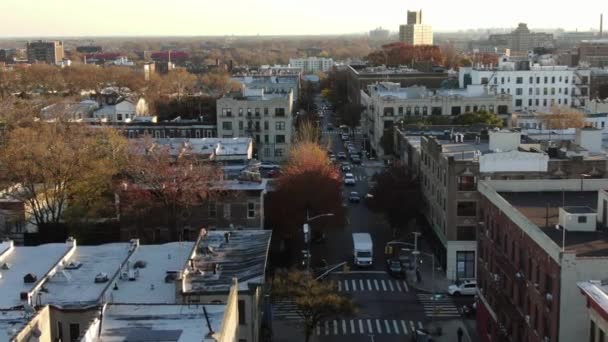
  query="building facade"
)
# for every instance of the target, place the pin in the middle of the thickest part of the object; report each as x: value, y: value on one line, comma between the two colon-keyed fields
x: 594, y: 52
x: 265, y: 117
x: 50, y: 52
x: 595, y: 292
x: 532, y: 86
x: 536, y: 240
x: 523, y: 40
x: 414, y: 32
x: 379, y: 34
x: 385, y: 104
x: 272, y: 83
x: 311, y: 65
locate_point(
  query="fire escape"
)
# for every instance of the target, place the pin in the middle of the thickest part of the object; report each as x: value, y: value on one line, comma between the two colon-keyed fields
x: 253, y: 130
x: 581, y: 83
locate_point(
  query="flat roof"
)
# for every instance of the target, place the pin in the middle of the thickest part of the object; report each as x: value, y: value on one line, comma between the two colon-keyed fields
x: 241, y: 185
x: 37, y: 260
x: 180, y: 323
x: 463, y: 150
x: 579, y: 210
x: 243, y: 257
x: 533, y: 205
x: 70, y: 286
x: 597, y: 292
x: 207, y: 146
x: 11, y: 323
x: 150, y: 286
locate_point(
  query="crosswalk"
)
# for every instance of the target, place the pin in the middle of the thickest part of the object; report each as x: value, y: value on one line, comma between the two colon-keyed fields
x: 326, y: 132
x: 378, y: 285
x: 368, y: 326
x: 441, y: 307
x: 284, y: 309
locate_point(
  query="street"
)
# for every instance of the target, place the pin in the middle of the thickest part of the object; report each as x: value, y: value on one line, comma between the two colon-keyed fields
x: 388, y: 309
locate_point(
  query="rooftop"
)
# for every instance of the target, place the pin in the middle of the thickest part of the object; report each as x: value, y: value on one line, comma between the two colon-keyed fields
x: 11, y: 322
x: 383, y: 70
x: 394, y: 89
x: 241, y: 185
x: 73, y: 283
x: 152, y: 285
x: 180, y: 323
x: 219, y: 147
x: 21, y: 261
x: 217, y: 262
x: 534, y: 206
x: 597, y: 292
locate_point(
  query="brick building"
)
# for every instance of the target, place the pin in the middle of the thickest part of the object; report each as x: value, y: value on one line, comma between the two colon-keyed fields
x: 536, y: 239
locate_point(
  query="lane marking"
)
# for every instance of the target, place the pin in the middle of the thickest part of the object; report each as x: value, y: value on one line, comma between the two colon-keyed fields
x: 344, y: 327
x: 404, y: 326
x: 398, y: 286
x: 352, y: 326
x: 405, y: 286
x: 361, y: 326
x: 346, y: 285
x: 420, y: 325
x: 319, y: 329
x: 376, y: 284
x: 339, y: 286
x: 361, y: 286
x: 326, y: 328
x: 387, y: 326
x: 369, y: 284
x: 378, y: 326
x: 335, y: 327
x: 383, y: 285
x: 354, y: 283
x: 390, y: 284
x: 396, y: 326
x: 412, y: 326
x: 369, y: 326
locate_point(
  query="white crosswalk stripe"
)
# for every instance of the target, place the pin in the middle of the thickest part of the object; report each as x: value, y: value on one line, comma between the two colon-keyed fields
x: 442, y: 306
x: 378, y: 285
x: 284, y: 310
x: 368, y: 326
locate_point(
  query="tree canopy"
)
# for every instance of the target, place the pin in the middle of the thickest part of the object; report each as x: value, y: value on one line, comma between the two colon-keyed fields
x: 482, y: 117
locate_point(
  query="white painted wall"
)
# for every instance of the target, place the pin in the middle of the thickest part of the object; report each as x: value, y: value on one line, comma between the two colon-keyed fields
x: 513, y: 161
x: 504, y: 141
x: 570, y: 221
x: 452, y: 248
x: 601, y: 197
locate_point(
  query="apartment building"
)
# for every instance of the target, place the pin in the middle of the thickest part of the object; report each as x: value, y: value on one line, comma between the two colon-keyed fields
x: 414, y: 32
x: 50, y: 52
x: 594, y: 52
x: 536, y: 240
x: 311, y: 65
x: 379, y: 34
x: 387, y: 103
x: 534, y: 86
x: 450, y: 163
x: 265, y: 117
x: 272, y: 83
x: 595, y: 293
x: 359, y: 77
x: 59, y: 292
x: 522, y: 39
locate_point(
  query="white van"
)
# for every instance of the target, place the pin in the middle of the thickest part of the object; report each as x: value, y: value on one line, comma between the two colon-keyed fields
x: 363, y: 251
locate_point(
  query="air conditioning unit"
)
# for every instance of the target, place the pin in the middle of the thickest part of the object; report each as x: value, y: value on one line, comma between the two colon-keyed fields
x: 548, y: 297
x: 527, y: 318
x: 496, y: 277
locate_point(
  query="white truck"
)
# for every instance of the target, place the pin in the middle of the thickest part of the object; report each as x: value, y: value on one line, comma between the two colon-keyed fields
x: 363, y: 250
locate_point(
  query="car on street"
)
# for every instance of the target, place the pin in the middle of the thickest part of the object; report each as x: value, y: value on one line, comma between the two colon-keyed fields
x: 345, y: 167
x: 268, y: 165
x: 354, y: 197
x: 341, y: 155
x: 344, y: 137
x: 394, y: 268
x: 464, y: 288
x: 349, y: 179
x: 355, y: 159
x: 330, y: 127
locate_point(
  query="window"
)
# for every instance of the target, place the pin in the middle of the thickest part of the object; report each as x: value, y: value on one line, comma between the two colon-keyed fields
x: 267, y: 152
x: 502, y: 109
x: 518, y: 103
x: 266, y: 125
x: 118, y: 117
x: 566, y: 79
x: 242, y: 312
x: 502, y: 80
x: 279, y: 112
x: 529, y: 102
x: 250, y: 210
x: 456, y: 110
x: 531, y: 80
x: 227, y: 125
x: 565, y: 91
x: 265, y: 110
x: 74, y: 331
x: 546, y: 79
x: 59, y: 331
x: 266, y: 139
x: 545, y: 91
x: 227, y: 112
x: 227, y: 211
x: 468, y: 208
x: 249, y: 112
x: 491, y: 108
x: 400, y: 110
x: 592, y: 331
x: 530, y: 91
x: 465, y: 264
x: 552, y: 91
x: 279, y: 139
x: 467, y: 183
x: 467, y: 109
x: 582, y: 219
x: 465, y: 233
x: 280, y: 126
x: 240, y: 111
x: 408, y: 110
x: 552, y: 79
x: 278, y: 152
x: 241, y: 125
x: 537, y: 79
x: 519, y: 80
x: 436, y: 110
x: 601, y: 336
x: 212, y: 209
x: 389, y: 111
x: 257, y: 112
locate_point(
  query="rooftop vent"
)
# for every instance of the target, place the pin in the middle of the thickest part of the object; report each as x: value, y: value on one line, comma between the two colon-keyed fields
x: 578, y: 219
x: 30, y: 278
x: 101, y: 278
x: 72, y: 265
x: 5, y: 266
x: 141, y: 264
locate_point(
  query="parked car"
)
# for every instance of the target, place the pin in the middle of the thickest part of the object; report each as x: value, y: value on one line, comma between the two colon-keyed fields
x: 355, y: 158
x: 344, y: 137
x: 465, y: 288
x: 341, y: 155
x: 268, y: 165
x: 395, y: 268
x: 354, y: 197
x: 346, y: 167
x: 349, y: 179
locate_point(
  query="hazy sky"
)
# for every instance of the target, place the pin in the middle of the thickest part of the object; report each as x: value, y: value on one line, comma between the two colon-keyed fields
x: 277, y: 17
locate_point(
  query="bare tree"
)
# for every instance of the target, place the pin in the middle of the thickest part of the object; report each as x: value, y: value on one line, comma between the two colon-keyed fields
x: 178, y: 82
x: 562, y: 117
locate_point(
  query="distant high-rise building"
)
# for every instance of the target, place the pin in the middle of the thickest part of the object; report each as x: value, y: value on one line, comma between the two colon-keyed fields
x: 523, y: 40
x: 50, y: 52
x: 414, y: 32
x: 378, y: 34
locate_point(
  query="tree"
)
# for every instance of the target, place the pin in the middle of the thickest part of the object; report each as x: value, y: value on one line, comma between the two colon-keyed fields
x: 59, y: 165
x: 562, y: 117
x: 335, y: 88
x: 306, y: 99
x: 387, y: 142
x: 399, y: 53
x: 309, y: 182
x: 350, y: 114
x: 178, y: 82
x: 218, y: 83
x: 159, y: 181
x: 315, y: 301
x: 396, y: 194
x: 482, y: 117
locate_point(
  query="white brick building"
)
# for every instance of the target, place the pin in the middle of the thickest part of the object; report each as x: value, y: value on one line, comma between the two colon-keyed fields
x: 311, y: 65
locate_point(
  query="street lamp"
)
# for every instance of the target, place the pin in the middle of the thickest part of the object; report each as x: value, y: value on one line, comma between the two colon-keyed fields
x: 307, y: 234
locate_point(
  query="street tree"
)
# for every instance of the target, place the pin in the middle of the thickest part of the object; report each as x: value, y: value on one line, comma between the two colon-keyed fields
x: 178, y: 82
x: 350, y: 114
x: 396, y: 194
x: 335, y: 88
x: 218, y: 83
x: 309, y: 184
x: 55, y: 166
x: 306, y: 99
x: 161, y: 181
x: 315, y: 301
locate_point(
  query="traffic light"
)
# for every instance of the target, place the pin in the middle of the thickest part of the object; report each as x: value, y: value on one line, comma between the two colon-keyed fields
x: 388, y: 250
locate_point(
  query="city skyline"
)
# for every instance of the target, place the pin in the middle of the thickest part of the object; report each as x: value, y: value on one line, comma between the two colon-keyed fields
x: 39, y: 18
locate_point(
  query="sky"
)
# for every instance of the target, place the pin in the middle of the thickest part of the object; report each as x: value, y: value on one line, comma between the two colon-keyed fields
x: 34, y: 18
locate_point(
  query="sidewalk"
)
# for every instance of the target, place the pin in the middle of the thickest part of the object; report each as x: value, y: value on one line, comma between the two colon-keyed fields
x: 426, y: 284
x: 449, y: 331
